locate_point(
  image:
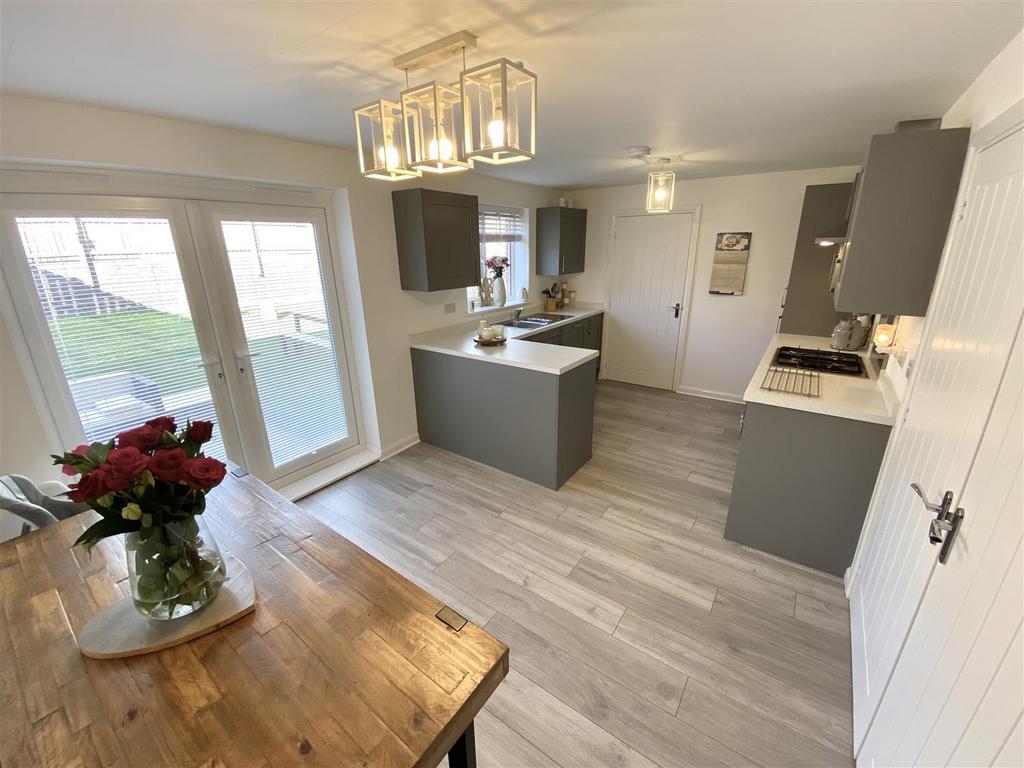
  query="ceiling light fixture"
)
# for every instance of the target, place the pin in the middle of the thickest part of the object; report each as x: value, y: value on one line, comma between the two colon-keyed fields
x: 489, y: 114
x: 432, y: 116
x: 380, y: 141
x: 499, y: 107
x: 661, y: 190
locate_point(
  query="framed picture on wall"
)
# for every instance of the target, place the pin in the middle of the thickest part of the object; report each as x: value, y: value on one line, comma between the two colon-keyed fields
x: 729, y: 270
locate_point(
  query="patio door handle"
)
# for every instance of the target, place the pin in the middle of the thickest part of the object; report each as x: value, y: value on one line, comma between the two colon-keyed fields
x: 213, y: 366
x: 243, y: 359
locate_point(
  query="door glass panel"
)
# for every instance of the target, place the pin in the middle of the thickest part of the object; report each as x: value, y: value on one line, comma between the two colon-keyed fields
x: 114, y: 302
x: 280, y: 290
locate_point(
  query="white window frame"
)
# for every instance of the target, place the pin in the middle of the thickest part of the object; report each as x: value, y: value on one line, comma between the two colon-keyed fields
x: 61, y: 431
x: 521, y: 259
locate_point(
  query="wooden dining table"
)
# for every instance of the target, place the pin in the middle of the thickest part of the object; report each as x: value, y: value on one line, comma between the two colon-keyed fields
x: 343, y: 662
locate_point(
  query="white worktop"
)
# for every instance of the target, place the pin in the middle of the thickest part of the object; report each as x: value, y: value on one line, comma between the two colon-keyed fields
x: 848, y: 397
x: 546, y: 358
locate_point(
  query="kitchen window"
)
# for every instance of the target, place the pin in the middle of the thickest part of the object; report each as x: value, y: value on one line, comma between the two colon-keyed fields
x: 503, y: 233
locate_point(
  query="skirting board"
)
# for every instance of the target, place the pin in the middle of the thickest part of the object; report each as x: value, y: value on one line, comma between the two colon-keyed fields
x: 709, y: 394
x: 398, y: 446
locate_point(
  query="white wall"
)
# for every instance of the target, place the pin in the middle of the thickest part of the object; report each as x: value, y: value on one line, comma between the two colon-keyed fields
x: 726, y: 335
x: 36, y: 130
x: 999, y: 86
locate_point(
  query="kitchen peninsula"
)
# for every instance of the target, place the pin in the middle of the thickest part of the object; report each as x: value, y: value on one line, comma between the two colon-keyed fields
x: 526, y: 407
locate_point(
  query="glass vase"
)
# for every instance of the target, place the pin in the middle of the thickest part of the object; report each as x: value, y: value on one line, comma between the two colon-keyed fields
x: 175, y: 568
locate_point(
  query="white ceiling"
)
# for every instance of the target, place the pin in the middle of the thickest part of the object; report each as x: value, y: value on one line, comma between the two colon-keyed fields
x: 734, y: 87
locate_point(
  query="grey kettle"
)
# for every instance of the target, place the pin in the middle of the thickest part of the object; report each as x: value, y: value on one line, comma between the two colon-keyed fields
x: 851, y: 333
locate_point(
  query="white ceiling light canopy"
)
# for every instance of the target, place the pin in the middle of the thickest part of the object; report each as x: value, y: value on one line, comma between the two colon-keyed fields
x: 380, y: 141
x: 499, y: 106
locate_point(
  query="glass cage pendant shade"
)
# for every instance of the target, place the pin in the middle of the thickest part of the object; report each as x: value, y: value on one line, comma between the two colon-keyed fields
x: 380, y: 142
x: 433, y: 125
x: 499, y: 108
x: 661, y: 187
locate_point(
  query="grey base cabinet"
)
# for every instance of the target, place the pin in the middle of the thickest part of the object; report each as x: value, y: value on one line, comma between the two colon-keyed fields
x: 803, y: 483
x: 586, y: 334
x: 538, y: 426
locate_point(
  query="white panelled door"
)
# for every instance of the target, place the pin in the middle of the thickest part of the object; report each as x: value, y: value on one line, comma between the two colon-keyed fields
x: 957, y: 693
x: 646, y: 312
x: 973, y: 319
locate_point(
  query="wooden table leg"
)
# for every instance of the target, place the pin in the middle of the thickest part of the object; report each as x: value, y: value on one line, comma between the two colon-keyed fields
x: 463, y: 751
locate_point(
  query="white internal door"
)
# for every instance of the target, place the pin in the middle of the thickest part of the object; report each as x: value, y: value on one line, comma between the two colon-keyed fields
x: 975, y: 313
x: 957, y: 692
x: 646, y: 312
x: 271, y: 270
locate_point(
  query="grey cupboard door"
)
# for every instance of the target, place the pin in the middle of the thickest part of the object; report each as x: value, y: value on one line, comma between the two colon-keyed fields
x: 452, y: 230
x: 573, y: 240
x: 575, y: 335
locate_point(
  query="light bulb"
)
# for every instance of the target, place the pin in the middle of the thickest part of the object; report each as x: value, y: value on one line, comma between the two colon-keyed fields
x: 660, y: 194
x: 884, y: 334
x: 447, y: 149
x: 388, y: 156
x: 496, y: 132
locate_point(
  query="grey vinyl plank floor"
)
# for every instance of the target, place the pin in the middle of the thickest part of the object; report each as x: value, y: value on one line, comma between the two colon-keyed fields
x: 639, y: 636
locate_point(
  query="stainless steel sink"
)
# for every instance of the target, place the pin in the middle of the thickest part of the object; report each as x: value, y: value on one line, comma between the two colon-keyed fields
x: 526, y: 323
x: 546, y: 318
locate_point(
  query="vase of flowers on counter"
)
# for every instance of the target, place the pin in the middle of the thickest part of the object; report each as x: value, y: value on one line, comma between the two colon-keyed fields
x: 497, y: 265
x: 149, y: 484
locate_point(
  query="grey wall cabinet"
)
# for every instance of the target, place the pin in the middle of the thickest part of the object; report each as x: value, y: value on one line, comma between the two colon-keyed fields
x: 561, y: 240
x: 808, y: 308
x: 438, y: 236
x: 901, y: 215
x: 803, y: 483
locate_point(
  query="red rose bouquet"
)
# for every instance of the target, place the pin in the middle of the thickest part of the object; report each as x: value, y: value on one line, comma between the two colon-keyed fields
x: 150, y: 484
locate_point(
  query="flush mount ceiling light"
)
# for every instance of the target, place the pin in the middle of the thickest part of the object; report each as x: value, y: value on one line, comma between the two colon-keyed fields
x: 489, y: 114
x: 499, y: 107
x: 380, y: 141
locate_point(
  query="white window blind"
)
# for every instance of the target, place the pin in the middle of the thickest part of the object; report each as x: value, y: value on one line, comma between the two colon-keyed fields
x: 114, y: 302
x: 280, y: 292
x: 503, y: 232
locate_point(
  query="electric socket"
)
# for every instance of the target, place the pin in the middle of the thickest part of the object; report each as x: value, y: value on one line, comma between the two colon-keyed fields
x: 449, y: 308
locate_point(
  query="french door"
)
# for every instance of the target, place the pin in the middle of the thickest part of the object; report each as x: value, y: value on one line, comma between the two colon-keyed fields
x: 138, y: 307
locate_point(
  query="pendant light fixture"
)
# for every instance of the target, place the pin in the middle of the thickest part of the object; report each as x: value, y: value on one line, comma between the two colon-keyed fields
x: 489, y: 114
x: 499, y: 106
x: 432, y: 117
x: 661, y: 188
x: 380, y: 141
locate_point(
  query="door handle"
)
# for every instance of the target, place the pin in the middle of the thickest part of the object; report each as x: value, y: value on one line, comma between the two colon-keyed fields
x: 675, y: 307
x: 209, y: 365
x: 943, y: 528
x: 243, y: 358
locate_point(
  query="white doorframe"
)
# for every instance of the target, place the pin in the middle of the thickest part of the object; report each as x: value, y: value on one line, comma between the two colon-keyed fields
x: 687, y: 298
